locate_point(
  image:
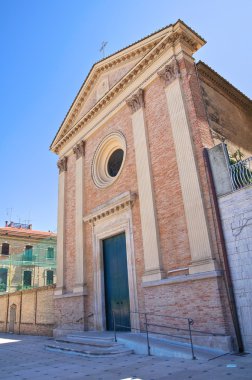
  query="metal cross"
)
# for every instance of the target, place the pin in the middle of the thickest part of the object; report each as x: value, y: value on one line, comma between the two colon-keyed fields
x: 102, y: 49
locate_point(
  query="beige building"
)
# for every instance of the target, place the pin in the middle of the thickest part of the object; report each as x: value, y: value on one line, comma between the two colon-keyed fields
x: 137, y: 228
x: 27, y: 257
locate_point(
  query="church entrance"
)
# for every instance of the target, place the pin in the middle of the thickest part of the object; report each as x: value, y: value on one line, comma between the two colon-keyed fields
x: 116, y: 283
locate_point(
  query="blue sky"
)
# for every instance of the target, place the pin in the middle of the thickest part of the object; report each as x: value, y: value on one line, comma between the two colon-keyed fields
x: 47, y: 49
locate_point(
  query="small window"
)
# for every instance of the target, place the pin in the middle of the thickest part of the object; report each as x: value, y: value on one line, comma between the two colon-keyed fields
x: 5, y: 249
x: 50, y: 253
x: 28, y: 253
x: 3, y: 279
x: 27, y: 279
x: 49, y: 277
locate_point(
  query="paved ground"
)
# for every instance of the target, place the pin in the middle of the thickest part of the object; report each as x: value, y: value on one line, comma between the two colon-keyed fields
x: 24, y: 357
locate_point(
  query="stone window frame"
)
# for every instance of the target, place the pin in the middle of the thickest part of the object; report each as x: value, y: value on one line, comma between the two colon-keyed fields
x: 109, y: 144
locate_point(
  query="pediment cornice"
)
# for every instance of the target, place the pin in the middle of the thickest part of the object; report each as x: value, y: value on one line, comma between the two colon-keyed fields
x: 114, y: 206
x: 177, y: 33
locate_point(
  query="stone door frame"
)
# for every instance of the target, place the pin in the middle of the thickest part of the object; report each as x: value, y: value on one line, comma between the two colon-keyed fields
x: 117, y: 222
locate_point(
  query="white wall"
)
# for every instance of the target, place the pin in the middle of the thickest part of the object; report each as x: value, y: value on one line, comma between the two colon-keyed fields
x: 236, y: 215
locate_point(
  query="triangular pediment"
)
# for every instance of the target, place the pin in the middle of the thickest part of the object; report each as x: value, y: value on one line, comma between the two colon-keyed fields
x: 107, y: 73
x: 101, y: 78
x: 104, y: 81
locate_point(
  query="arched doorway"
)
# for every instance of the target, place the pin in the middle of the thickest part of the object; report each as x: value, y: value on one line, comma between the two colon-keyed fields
x: 13, y: 310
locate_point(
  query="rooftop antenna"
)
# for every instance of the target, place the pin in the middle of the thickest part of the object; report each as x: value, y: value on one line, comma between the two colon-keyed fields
x: 9, y: 213
x: 102, y: 49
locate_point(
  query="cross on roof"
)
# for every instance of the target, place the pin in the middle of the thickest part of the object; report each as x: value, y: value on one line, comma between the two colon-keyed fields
x: 102, y: 49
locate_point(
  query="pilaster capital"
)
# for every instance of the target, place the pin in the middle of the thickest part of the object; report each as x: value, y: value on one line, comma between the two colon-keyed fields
x: 136, y: 101
x: 79, y: 149
x: 62, y: 164
x: 170, y: 72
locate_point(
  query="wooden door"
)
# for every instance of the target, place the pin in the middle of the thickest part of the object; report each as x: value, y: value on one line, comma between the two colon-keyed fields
x: 116, y: 283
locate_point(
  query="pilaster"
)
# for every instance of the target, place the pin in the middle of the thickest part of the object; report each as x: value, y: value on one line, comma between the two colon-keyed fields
x: 150, y: 234
x: 199, y: 239
x: 79, y: 151
x: 62, y: 165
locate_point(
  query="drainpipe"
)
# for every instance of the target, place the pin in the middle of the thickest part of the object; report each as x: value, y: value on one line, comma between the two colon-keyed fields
x: 227, y: 272
x: 20, y: 313
x: 35, y: 309
x: 7, y: 312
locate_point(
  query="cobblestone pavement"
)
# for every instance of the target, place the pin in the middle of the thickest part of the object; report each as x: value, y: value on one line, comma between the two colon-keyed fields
x: 24, y: 357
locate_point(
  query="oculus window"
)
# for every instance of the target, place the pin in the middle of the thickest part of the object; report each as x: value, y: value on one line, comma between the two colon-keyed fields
x: 109, y: 159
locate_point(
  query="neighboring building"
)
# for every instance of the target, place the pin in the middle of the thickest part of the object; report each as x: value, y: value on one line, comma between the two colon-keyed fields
x: 233, y: 187
x: 137, y: 226
x: 27, y: 257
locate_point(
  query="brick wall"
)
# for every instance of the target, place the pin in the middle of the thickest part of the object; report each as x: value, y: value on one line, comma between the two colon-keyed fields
x: 227, y: 118
x: 207, y: 297
x: 33, y: 310
x: 236, y: 215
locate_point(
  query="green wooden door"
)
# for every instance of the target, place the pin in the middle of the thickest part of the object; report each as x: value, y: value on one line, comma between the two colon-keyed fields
x: 116, y: 282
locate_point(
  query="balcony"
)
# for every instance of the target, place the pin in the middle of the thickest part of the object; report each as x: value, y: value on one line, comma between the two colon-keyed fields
x: 241, y: 174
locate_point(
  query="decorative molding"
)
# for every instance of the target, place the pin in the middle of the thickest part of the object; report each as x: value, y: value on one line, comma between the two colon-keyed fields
x: 110, y: 143
x: 136, y: 101
x: 170, y: 72
x: 79, y: 149
x: 179, y: 33
x: 62, y: 164
x: 115, y: 205
x: 93, y: 78
x: 184, y: 278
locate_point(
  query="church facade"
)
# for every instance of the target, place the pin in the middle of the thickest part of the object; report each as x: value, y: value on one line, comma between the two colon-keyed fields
x: 137, y: 227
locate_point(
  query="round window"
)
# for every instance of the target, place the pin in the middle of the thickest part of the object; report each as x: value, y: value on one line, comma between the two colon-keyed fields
x: 115, y: 162
x: 109, y: 159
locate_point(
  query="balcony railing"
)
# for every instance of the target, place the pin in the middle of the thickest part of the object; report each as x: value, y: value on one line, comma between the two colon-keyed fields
x: 241, y: 174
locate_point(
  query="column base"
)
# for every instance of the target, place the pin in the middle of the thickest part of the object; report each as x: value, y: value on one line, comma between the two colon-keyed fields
x: 59, y: 291
x: 80, y: 289
x: 204, y: 265
x: 153, y: 275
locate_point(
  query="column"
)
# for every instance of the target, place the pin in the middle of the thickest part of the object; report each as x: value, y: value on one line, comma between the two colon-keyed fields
x: 199, y: 240
x: 150, y: 235
x: 79, y: 151
x: 62, y: 165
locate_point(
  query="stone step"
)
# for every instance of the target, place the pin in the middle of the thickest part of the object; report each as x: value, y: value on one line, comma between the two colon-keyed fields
x: 93, y: 335
x: 136, y: 342
x: 86, y: 341
x: 165, y: 347
x: 88, y: 351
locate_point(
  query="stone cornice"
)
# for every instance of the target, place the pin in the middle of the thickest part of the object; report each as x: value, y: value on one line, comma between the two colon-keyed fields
x: 136, y: 101
x: 170, y: 72
x: 216, y: 81
x: 116, y: 205
x: 178, y: 33
x: 62, y: 164
x: 93, y: 77
x: 79, y: 149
